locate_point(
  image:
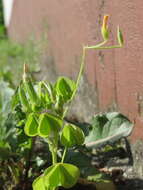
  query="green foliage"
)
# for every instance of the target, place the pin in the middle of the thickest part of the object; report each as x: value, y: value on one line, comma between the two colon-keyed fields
x: 71, y: 136
x: 65, y: 88
x: 45, y: 120
x: 23, y: 98
x: 15, y: 146
x: 31, y: 92
x: 13, y: 55
x: 60, y: 174
x: 31, y: 125
x: 39, y: 183
x: 107, y: 129
x: 48, y: 124
x: 7, y: 131
x: 45, y: 106
x: 5, y: 109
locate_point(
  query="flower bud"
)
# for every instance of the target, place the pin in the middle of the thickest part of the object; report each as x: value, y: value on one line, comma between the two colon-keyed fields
x: 120, y: 37
x: 104, y: 28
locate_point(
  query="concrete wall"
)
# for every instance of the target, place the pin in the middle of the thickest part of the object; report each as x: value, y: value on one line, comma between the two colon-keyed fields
x: 114, y: 78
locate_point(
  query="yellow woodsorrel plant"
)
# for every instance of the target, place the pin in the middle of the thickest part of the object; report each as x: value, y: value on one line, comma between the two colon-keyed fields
x: 46, y: 106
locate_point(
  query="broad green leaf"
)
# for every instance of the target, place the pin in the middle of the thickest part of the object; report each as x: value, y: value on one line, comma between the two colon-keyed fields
x: 65, y: 87
x: 31, y: 125
x: 38, y: 183
x: 72, y: 135
x: 61, y: 174
x: 107, y: 129
x: 48, y: 123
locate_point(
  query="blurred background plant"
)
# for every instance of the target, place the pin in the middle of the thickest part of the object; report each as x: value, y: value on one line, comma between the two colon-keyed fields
x: 15, y: 147
x: 20, y: 160
x: 13, y: 54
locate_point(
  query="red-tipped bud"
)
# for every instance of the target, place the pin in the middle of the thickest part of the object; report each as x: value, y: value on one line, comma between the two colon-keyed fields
x: 104, y: 28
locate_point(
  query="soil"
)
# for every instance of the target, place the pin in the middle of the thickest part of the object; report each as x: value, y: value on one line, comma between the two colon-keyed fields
x: 128, y: 179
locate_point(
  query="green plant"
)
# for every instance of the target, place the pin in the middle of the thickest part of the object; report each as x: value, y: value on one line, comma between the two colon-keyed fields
x: 108, y: 128
x: 14, y: 54
x: 5, y: 103
x: 7, y: 132
x: 45, y: 106
x: 16, y: 148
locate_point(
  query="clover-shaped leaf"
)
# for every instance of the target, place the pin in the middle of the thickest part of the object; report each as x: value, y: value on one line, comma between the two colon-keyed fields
x: 61, y: 174
x: 72, y: 135
x: 65, y: 87
x: 48, y: 123
x: 31, y: 125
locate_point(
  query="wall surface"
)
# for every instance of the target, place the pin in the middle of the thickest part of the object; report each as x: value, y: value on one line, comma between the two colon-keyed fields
x: 114, y: 78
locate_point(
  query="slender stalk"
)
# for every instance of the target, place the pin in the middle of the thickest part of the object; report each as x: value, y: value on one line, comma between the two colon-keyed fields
x: 98, y: 46
x: 54, y: 156
x: 53, y: 147
x: 80, y: 72
x: 82, y: 65
x: 78, y: 79
x: 103, y: 47
x: 64, y: 154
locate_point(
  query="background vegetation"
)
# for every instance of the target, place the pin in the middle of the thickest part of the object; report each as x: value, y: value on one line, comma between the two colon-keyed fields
x: 13, y: 55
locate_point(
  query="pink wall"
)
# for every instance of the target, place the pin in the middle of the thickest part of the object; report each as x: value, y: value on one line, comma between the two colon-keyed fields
x: 117, y: 75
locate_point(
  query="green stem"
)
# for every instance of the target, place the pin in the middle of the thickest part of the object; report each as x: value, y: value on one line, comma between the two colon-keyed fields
x: 64, y: 154
x: 81, y: 70
x: 78, y: 78
x: 103, y: 47
x: 82, y: 65
x: 99, y: 45
x: 54, y: 156
x: 53, y: 149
